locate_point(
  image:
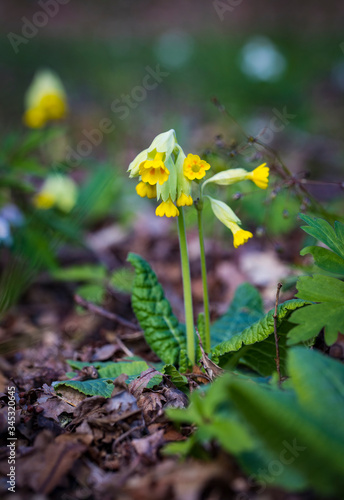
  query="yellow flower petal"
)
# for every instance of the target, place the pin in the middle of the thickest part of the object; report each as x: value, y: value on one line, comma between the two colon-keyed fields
x: 54, y: 105
x: 184, y: 200
x: 146, y: 190
x: 260, y: 176
x: 240, y: 236
x: 194, y: 167
x: 35, y: 117
x: 154, y: 171
x: 167, y: 208
x: 44, y: 200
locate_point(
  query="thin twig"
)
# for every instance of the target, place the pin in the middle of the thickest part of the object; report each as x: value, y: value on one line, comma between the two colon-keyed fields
x: 126, y: 434
x: 124, y: 348
x: 104, y: 313
x: 279, y: 286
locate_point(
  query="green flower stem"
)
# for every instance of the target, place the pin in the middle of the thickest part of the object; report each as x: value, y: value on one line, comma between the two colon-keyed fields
x: 190, y: 331
x: 199, y: 207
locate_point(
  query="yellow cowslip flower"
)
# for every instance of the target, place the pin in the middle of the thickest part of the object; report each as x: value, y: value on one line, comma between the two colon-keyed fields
x: 154, y: 171
x: 260, y: 176
x: 45, y: 100
x: 167, y: 208
x: 146, y: 190
x: 160, y: 168
x: 226, y: 215
x: 157, y: 156
x: 59, y: 191
x: 184, y: 200
x: 240, y: 236
x: 194, y: 167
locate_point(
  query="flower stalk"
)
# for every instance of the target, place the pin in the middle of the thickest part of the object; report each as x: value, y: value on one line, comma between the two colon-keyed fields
x: 199, y: 207
x: 189, y: 321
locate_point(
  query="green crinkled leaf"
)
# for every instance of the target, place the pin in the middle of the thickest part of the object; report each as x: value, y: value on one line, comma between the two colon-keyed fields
x: 325, y: 259
x: 163, y: 332
x: 113, y: 370
x: 254, y: 346
x: 323, y: 231
x: 93, y: 387
x: 329, y: 314
x: 245, y: 309
x: 179, y: 380
x: 108, y: 372
x: 79, y: 365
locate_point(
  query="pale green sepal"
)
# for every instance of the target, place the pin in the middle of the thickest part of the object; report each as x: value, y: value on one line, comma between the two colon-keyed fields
x: 223, y: 212
x: 227, y: 177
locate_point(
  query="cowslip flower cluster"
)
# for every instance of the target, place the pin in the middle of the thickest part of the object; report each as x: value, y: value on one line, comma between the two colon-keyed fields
x: 59, y: 191
x: 45, y: 100
x: 166, y: 173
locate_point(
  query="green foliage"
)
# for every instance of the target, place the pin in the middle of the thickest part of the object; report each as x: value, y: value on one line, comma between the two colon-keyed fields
x: 108, y: 371
x: 122, y: 280
x: 323, y: 231
x: 95, y: 280
x: 294, y: 438
x: 253, y: 345
x: 81, y: 273
x: 213, y: 415
x: 164, y: 334
x: 245, y: 309
x: 326, y: 291
x: 179, y: 380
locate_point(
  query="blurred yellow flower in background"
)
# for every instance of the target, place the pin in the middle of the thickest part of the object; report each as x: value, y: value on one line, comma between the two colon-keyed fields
x: 45, y: 100
x: 57, y: 190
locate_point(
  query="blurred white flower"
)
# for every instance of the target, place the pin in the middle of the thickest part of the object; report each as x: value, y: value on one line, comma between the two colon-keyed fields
x: 261, y: 60
x: 12, y: 214
x: 5, y: 232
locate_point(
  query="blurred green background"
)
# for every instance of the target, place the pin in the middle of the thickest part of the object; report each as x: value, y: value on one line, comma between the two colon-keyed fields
x: 260, y: 60
x: 253, y: 58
